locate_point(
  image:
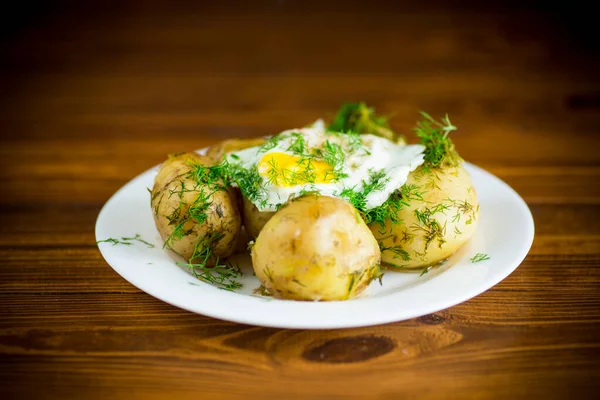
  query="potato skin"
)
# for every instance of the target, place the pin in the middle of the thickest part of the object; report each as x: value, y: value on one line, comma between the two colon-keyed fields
x: 450, y: 197
x: 170, y: 205
x: 254, y: 220
x: 216, y: 152
x: 316, y: 248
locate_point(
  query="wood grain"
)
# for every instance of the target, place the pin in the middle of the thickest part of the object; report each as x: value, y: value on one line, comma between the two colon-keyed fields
x: 94, y: 94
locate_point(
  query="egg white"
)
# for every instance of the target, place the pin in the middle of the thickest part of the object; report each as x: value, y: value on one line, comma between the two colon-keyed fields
x: 374, y: 154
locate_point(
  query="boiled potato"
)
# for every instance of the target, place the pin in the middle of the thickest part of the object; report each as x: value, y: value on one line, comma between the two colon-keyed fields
x: 198, y: 221
x: 255, y: 220
x: 217, y: 151
x: 316, y: 248
x: 432, y: 228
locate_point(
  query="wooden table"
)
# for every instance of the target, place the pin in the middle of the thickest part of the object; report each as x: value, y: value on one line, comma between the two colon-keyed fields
x: 94, y: 95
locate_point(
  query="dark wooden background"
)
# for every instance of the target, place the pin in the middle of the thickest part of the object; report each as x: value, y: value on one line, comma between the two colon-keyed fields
x: 92, y: 95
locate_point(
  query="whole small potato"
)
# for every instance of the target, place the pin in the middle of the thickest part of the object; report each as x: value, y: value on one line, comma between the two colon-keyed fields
x: 441, y: 217
x: 199, y: 221
x: 216, y: 152
x: 255, y: 220
x: 316, y: 248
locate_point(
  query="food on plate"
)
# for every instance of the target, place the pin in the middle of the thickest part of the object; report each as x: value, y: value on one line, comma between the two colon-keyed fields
x: 438, y: 208
x: 316, y: 248
x: 326, y: 204
x: 194, y: 211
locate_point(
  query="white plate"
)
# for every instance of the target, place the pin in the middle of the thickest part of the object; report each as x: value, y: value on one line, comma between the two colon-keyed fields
x: 505, y: 233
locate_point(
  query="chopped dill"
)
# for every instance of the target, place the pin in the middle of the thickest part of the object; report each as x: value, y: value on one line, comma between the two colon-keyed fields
x: 431, y: 228
x: 439, y: 149
x: 333, y: 154
x: 248, y: 180
x: 479, y: 257
x: 271, y: 143
x: 138, y: 238
x: 220, y: 275
x: 397, y: 250
x: 114, y: 242
x: 358, y: 118
x: 388, y: 211
x: 298, y: 146
x: 127, y: 241
x: 377, y: 181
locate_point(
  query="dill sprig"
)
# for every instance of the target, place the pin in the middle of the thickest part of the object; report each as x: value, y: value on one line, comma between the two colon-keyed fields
x: 388, y: 211
x: 298, y: 146
x: 431, y: 228
x: 248, y: 180
x: 127, y: 241
x: 114, y: 241
x: 220, y: 275
x: 439, y: 149
x: 479, y: 257
x: 377, y: 181
x: 271, y: 143
x: 333, y: 154
x: 397, y: 250
x: 138, y: 238
x: 361, y: 119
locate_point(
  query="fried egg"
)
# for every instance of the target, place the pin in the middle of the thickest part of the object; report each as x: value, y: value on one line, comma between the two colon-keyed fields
x: 314, y: 160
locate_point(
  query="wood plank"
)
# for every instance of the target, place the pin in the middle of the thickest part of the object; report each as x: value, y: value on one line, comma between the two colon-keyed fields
x: 94, y: 94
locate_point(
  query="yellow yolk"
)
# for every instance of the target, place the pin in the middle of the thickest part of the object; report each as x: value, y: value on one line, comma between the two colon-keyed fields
x: 286, y: 170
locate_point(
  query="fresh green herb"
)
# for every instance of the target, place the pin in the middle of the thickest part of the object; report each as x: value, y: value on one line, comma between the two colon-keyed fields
x: 439, y: 149
x: 357, y: 199
x: 333, y: 154
x: 397, y: 250
x: 479, y: 257
x: 220, y: 275
x: 411, y: 192
x: 430, y: 227
x: 138, y: 238
x: 248, y: 180
x: 388, y: 211
x: 298, y: 146
x: 127, y: 241
x: 463, y: 208
x: 358, y: 118
x: 114, y: 242
x: 440, y: 208
x: 271, y: 143
x: 377, y: 181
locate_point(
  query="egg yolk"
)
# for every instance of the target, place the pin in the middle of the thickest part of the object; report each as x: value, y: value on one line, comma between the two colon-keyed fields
x: 286, y: 170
